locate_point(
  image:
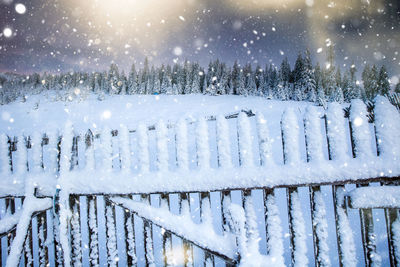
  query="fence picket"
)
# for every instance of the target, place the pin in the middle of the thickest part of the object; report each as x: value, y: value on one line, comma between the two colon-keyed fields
x: 361, y: 144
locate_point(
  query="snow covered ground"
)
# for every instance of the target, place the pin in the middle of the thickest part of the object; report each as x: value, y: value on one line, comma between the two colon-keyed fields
x: 120, y: 112
x: 42, y: 114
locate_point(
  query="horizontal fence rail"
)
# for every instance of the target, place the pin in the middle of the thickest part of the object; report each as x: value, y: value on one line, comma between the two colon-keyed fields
x: 223, y: 190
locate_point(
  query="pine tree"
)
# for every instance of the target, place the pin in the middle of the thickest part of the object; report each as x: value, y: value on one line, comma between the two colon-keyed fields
x: 242, y: 90
x: 397, y: 88
x: 370, y: 80
x: 298, y: 79
x: 309, y: 79
x: 383, y: 82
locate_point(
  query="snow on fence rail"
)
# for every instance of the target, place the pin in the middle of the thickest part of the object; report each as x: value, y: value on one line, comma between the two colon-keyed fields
x: 207, y: 175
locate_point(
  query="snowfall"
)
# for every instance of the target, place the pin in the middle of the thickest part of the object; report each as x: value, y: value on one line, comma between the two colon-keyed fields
x: 196, y: 146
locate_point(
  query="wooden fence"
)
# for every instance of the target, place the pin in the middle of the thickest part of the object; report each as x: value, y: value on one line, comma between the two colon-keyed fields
x: 60, y: 212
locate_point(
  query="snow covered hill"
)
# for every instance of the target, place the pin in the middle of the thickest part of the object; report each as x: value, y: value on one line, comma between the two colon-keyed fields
x: 41, y: 113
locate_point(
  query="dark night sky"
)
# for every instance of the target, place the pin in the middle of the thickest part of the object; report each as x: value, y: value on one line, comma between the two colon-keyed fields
x: 69, y: 35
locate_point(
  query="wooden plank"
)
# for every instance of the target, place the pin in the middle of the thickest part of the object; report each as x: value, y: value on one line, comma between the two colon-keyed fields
x: 75, y: 231
x: 28, y: 248
x: 93, y: 230
x: 148, y: 236
x: 360, y: 148
x: 206, y: 217
x: 42, y: 237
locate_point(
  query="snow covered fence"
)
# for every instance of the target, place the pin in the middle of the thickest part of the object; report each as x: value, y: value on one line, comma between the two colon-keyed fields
x: 187, y: 192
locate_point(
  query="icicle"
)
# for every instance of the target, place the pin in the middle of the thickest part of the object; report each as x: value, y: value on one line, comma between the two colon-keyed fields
x: 290, y: 137
x: 93, y: 231
x: 223, y: 142
x: 182, y: 145
x: 112, y: 251
x: 335, y: 125
x: 143, y: 143
x: 4, y: 156
x: 125, y: 149
x: 264, y: 141
x: 106, y: 145
x: 36, y: 143
x: 312, y: 128
x: 360, y: 129
x: 387, y: 120
x: 162, y: 146
x: 274, y: 231
x: 203, y: 148
x: 245, y: 142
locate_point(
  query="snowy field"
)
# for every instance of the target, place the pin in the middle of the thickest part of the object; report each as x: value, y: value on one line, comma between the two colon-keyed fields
x: 40, y: 115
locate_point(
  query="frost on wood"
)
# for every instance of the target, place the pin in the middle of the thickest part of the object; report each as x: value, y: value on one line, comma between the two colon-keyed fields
x: 66, y: 148
x: 387, y: 127
x: 290, y: 137
x: 264, y: 141
x: 182, y: 145
x: 237, y: 221
x: 375, y: 197
x: 274, y: 230
x: 182, y: 225
x: 107, y: 151
x: 21, y: 156
x: 336, y: 132
x: 321, y: 228
x: 223, y: 143
x: 202, y: 145
x: 4, y: 158
x: 28, y: 250
x: 89, y: 156
x: 396, y: 238
x: 31, y: 205
x: 348, y: 249
x: 312, y: 128
x: 299, y: 232
x: 112, y: 252
x: 143, y: 144
x: 36, y: 143
x: 252, y: 234
x: 130, y: 237
x: 52, y: 164
x: 76, y: 236
x: 42, y: 241
x: 245, y: 140
x: 360, y: 129
x: 162, y: 146
x: 124, y: 148
x: 57, y: 246
x: 93, y: 232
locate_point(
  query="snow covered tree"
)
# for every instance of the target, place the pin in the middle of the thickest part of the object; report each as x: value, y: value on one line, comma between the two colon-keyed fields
x: 370, y: 80
x: 383, y: 82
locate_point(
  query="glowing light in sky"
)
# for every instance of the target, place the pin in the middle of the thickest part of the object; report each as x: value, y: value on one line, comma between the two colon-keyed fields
x: 7, y: 32
x: 20, y: 8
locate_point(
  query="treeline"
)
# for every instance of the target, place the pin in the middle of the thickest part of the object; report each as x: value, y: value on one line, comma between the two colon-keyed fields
x: 303, y: 82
